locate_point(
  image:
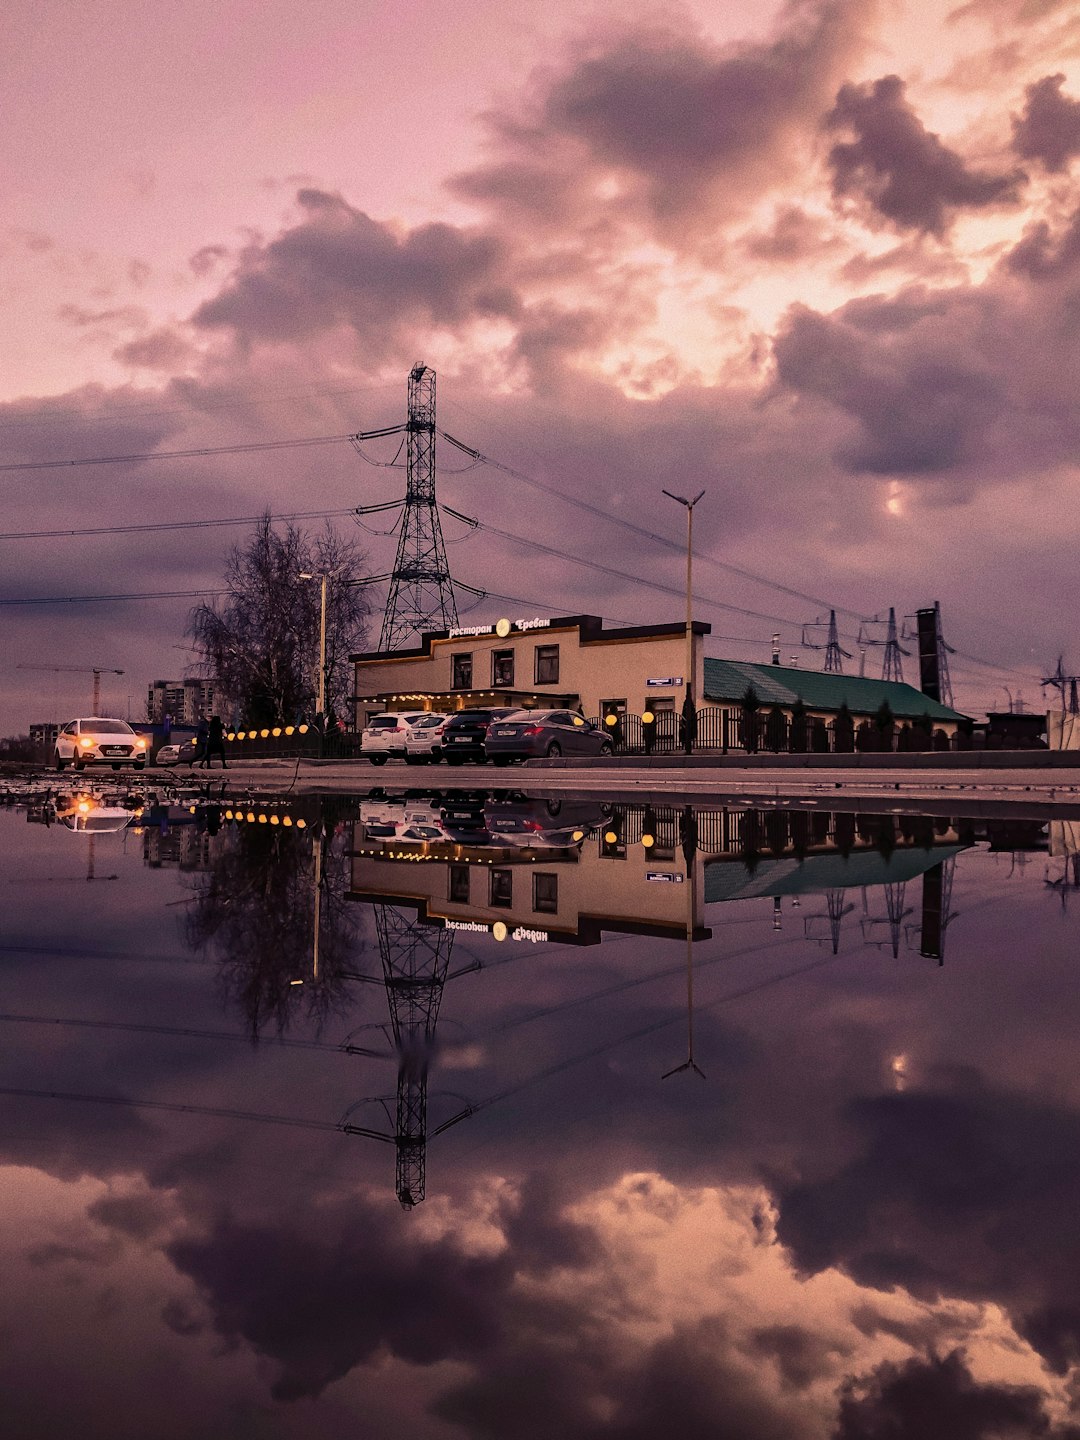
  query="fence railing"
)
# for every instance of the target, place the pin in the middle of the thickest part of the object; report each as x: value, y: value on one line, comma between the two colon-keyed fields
x: 775, y: 732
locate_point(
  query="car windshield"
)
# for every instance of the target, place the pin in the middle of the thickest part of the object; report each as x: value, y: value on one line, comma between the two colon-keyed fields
x: 383, y: 722
x: 109, y: 727
x: 472, y: 717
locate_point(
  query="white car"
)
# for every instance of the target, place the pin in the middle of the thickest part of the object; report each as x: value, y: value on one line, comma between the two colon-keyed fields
x: 100, y: 741
x: 384, y: 735
x: 410, y: 821
x: 423, y: 742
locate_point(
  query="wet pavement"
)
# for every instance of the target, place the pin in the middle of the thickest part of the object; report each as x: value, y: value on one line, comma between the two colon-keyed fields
x: 481, y: 1114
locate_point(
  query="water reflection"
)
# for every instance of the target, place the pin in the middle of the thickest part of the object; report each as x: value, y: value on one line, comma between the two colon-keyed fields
x: 859, y: 1225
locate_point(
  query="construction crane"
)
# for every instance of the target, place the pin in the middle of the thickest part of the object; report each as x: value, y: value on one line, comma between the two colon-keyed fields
x: 96, y: 670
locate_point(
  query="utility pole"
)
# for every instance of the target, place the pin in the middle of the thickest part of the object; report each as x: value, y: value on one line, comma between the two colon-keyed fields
x: 421, y: 594
x: 689, y: 714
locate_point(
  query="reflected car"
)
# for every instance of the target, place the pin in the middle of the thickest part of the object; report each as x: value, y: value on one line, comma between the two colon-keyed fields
x: 409, y: 821
x: 466, y: 732
x: 92, y: 816
x: 98, y: 740
x: 529, y: 734
x: 423, y: 740
x: 383, y: 737
x: 542, y: 824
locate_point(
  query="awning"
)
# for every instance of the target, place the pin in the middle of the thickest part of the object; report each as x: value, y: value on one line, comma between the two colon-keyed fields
x: 450, y: 700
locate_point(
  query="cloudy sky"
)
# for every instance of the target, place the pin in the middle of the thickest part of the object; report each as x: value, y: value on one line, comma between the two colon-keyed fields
x: 820, y: 258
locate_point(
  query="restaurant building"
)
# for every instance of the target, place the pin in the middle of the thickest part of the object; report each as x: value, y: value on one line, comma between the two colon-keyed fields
x: 575, y: 662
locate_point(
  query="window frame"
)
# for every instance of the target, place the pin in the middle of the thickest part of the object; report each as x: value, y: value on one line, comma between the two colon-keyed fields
x: 503, y: 656
x: 552, y: 653
x: 550, y: 905
x: 464, y: 657
x: 495, y: 900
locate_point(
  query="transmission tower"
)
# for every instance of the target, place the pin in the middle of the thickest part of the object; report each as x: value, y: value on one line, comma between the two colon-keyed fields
x: 834, y: 654
x: 421, y: 594
x: 893, y: 668
x: 1061, y: 682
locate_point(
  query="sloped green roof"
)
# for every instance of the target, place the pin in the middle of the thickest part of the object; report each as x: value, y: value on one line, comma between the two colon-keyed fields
x: 784, y: 684
x: 815, y: 874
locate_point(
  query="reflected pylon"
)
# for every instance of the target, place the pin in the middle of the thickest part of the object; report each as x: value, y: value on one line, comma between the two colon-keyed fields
x: 415, y: 959
x: 936, y: 909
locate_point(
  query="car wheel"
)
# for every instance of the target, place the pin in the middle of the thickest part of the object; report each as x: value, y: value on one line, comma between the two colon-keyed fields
x: 377, y: 759
x: 413, y: 760
x: 554, y: 749
x: 500, y: 760
x: 454, y: 760
x: 60, y: 764
x: 78, y: 764
x: 607, y: 748
x: 140, y: 764
x: 554, y: 807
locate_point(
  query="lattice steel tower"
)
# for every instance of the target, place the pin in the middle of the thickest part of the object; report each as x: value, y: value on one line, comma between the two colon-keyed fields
x: 421, y: 594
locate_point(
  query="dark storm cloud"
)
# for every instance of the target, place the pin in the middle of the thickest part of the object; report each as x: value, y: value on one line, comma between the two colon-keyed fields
x: 923, y: 399
x: 1049, y: 128
x: 338, y: 267
x: 899, y: 168
x: 691, y: 130
x: 1043, y: 255
x: 801, y: 1357
x: 969, y: 1194
x: 938, y: 1399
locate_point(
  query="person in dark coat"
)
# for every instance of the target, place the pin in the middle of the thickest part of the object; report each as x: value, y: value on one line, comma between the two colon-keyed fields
x: 215, y: 743
x: 202, y: 738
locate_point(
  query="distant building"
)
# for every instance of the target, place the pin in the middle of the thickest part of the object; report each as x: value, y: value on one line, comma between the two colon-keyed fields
x: 43, y: 735
x: 186, y: 702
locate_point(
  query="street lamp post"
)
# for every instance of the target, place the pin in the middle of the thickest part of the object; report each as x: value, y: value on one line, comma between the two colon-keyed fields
x: 306, y: 575
x: 688, y: 701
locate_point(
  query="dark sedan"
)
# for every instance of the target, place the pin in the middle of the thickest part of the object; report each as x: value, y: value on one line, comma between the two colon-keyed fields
x: 527, y: 734
x: 465, y: 733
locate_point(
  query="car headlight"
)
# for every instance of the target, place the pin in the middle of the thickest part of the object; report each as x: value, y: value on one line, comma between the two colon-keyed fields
x: 140, y: 744
x: 86, y: 744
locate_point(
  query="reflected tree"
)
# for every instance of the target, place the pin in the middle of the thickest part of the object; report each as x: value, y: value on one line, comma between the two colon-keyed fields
x: 254, y: 909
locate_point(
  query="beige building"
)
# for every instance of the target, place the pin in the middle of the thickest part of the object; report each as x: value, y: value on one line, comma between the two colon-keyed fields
x: 566, y: 662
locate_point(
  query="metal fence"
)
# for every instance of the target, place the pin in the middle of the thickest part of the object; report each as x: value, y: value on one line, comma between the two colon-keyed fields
x: 775, y: 732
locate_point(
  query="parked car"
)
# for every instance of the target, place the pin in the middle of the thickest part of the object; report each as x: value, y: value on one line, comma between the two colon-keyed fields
x: 542, y: 824
x: 96, y: 740
x: 423, y: 743
x: 526, y: 734
x: 465, y: 733
x: 384, y: 735
x: 411, y: 821
x: 181, y: 752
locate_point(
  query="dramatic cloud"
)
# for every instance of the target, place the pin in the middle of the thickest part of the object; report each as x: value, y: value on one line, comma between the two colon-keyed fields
x: 938, y: 1399
x: 338, y: 267
x: 898, y: 168
x: 965, y: 1194
x: 674, y: 130
x: 1049, y: 128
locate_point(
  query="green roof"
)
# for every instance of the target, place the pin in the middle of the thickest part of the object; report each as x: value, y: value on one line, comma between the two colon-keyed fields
x: 816, y: 874
x: 727, y: 680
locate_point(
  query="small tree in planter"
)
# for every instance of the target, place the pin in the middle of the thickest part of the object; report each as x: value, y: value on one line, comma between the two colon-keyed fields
x: 748, y: 719
x: 885, y: 725
x: 776, y: 730
x: 844, y: 731
x: 922, y: 733
x: 798, y: 727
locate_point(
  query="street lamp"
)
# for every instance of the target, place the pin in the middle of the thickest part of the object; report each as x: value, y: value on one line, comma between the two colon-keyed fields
x: 688, y: 702
x: 307, y: 575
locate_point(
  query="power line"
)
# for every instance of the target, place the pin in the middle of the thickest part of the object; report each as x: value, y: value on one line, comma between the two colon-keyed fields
x: 246, y: 449
x: 93, y: 599
x: 170, y: 525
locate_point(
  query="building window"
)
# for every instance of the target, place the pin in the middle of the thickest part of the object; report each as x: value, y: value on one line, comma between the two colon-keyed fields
x: 502, y: 667
x: 462, y: 672
x: 545, y: 893
x: 547, y: 665
x: 459, y: 884
x: 502, y: 889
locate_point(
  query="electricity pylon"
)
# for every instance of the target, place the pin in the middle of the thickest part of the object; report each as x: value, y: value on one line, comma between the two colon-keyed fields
x: 421, y: 594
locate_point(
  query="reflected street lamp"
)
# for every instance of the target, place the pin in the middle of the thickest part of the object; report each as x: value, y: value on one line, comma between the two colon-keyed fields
x: 306, y: 575
x: 688, y: 701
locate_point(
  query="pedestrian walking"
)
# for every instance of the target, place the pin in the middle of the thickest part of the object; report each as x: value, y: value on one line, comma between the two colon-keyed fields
x: 202, y: 738
x: 215, y: 743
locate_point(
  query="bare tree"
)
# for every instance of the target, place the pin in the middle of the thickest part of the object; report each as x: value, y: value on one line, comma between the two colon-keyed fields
x: 261, y: 642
